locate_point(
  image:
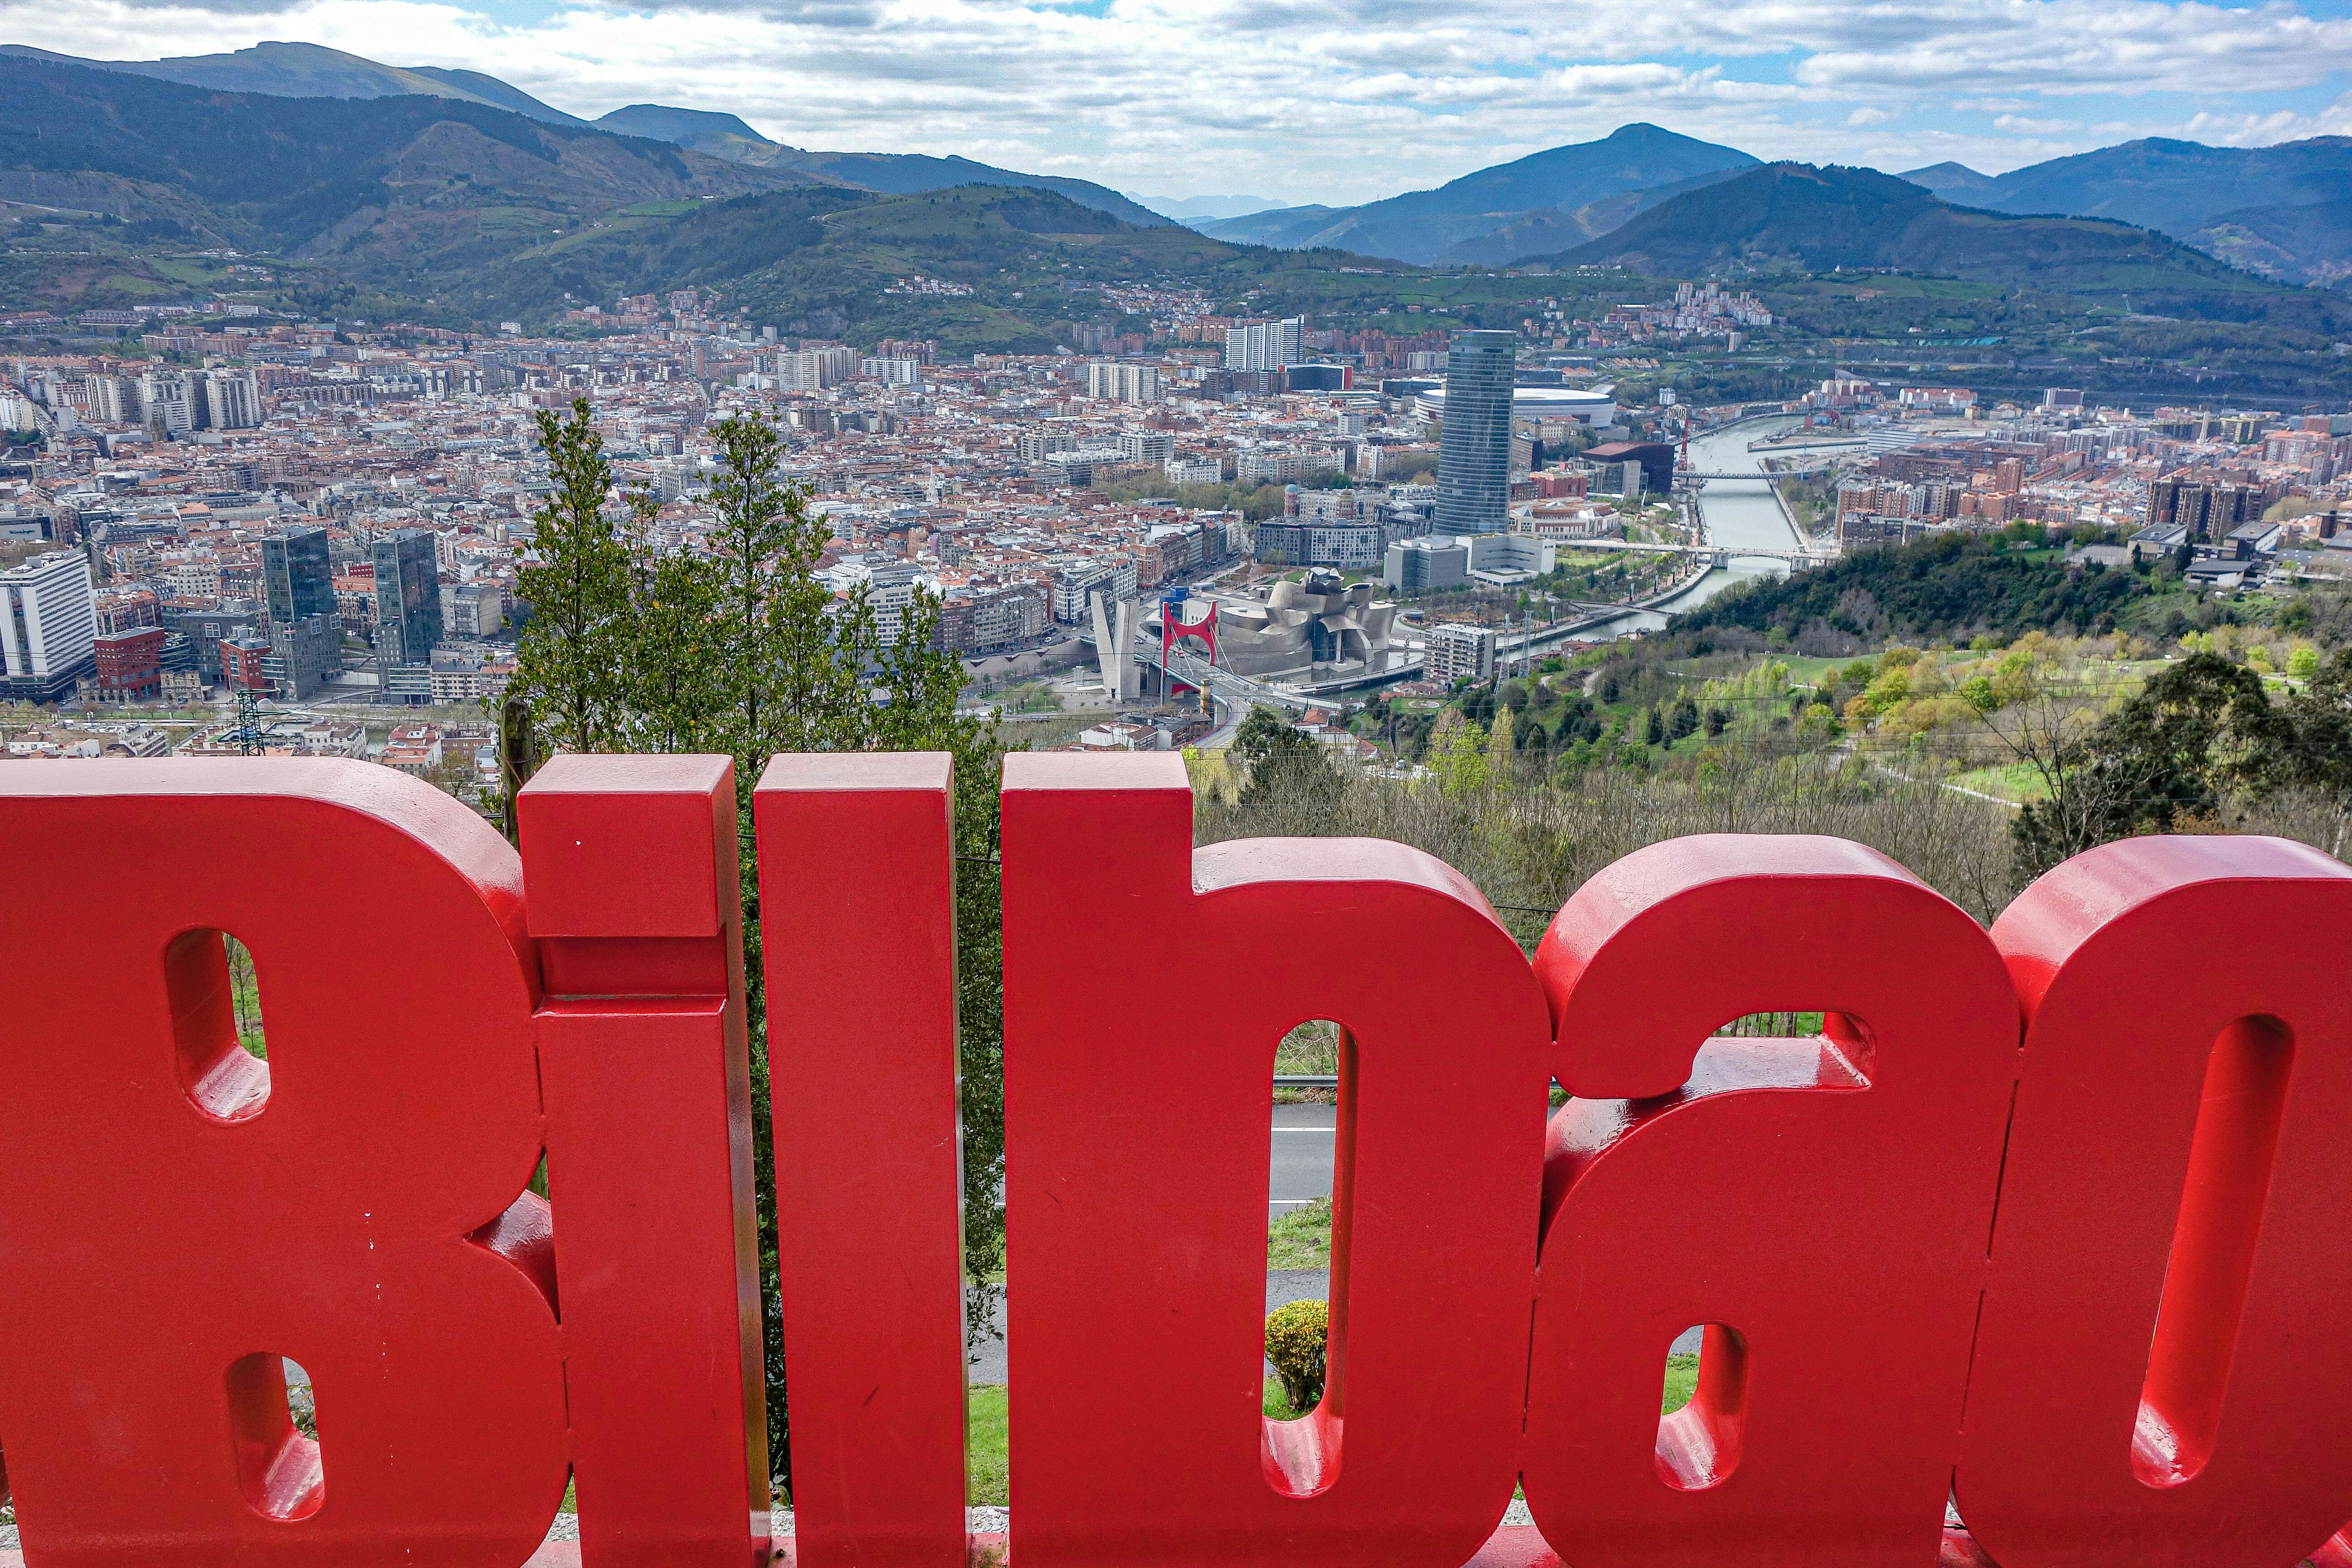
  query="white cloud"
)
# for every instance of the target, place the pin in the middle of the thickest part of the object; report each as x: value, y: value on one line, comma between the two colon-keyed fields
x: 1341, y: 99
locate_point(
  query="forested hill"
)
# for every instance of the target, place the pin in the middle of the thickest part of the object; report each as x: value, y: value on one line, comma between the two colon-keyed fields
x: 316, y: 174
x: 1788, y: 218
x: 836, y: 253
x: 1946, y: 588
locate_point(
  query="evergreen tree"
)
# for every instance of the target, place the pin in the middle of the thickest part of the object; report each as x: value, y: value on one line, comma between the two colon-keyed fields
x: 742, y: 651
x: 577, y: 584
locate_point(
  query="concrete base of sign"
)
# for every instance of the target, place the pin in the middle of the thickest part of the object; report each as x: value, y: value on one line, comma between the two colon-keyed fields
x: 1512, y: 1546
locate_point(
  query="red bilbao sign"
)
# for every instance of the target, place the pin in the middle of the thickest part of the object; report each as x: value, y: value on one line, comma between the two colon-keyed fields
x: 2050, y: 1229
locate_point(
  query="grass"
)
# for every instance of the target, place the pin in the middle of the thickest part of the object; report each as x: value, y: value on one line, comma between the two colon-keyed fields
x: 984, y: 1426
x: 985, y: 1423
x: 2010, y: 781
x: 1301, y: 1238
x: 1682, y: 1377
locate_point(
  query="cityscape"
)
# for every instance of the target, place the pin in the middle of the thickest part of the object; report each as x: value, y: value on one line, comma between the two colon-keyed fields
x: 331, y: 520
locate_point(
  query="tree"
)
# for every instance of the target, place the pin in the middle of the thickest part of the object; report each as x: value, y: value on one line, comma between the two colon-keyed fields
x: 2315, y: 752
x: 577, y: 582
x: 740, y: 650
x: 2166, y: 757
x: 1284, y: 767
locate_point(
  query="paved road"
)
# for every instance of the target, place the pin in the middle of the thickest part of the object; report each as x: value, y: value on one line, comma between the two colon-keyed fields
x: 1304, y: 1137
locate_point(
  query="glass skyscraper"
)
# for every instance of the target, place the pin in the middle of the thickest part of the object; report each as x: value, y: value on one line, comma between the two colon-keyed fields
x: 408, y: 596
x: 1473, y: 456
x: 298, y: 579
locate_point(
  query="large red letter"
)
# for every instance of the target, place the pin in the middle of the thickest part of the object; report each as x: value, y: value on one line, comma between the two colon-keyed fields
x: 176, y: 1216
x: 634, y: 899
x: 2165, y: 1358
x: 1823, y: 1205
x: 1146, y: 988
x: 856, y: 893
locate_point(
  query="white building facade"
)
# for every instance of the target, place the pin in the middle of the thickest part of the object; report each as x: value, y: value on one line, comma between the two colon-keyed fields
x: 48, y: 625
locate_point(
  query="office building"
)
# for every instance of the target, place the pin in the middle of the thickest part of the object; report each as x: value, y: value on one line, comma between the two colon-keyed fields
x: 304, y: 632
x: 304, y: 655
x: 1265, y: 345
x: 407, y: 604
x: 1473, y: 458
x: 48, y: 625
x: 1418, y: 566
x: 207, y: 628
x: 129, y: 664
x: 297, y: 576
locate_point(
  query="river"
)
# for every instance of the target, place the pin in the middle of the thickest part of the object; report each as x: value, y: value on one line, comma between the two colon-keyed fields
x: 1735, y: 512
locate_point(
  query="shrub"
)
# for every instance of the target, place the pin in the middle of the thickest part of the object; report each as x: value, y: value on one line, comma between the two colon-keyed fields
x: 1295, y: 1336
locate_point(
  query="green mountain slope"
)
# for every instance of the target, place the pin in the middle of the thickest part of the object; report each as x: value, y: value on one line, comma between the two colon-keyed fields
x: 2202, y: 195
x: 1549, y: 229
x: 401, y: 188
x: 1793, y: 218
x: 2177, y: 186
x: 313, y: 71
x: 833, y: 255
x: 1522, y: 202
x: 2306, y: 243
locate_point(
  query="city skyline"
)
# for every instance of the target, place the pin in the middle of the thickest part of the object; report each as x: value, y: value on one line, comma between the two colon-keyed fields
x: 1282, y: 103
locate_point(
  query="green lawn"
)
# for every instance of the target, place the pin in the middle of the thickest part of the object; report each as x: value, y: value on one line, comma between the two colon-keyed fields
x: 2010, y: 781
x: 1682, y: 1376
x: 985, y: 1423
x: 1301, y: 1238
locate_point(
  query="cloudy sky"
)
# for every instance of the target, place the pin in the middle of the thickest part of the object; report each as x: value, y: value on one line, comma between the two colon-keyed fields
x: 1342, y: 100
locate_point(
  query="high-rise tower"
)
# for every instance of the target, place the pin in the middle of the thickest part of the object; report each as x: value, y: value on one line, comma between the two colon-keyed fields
x: 1473, y: 456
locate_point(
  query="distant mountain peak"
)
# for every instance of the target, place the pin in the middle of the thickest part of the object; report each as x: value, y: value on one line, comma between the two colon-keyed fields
x: 1493, y: 215
x: 663, y: 123
x: 280, y: 68
x: 1948, y: 177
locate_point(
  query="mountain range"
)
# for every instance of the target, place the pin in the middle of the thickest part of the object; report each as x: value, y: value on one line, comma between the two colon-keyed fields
x: 1796, y: 217
x: 312, y: 70
x: 2284, y: 211
x: 450, y: 196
